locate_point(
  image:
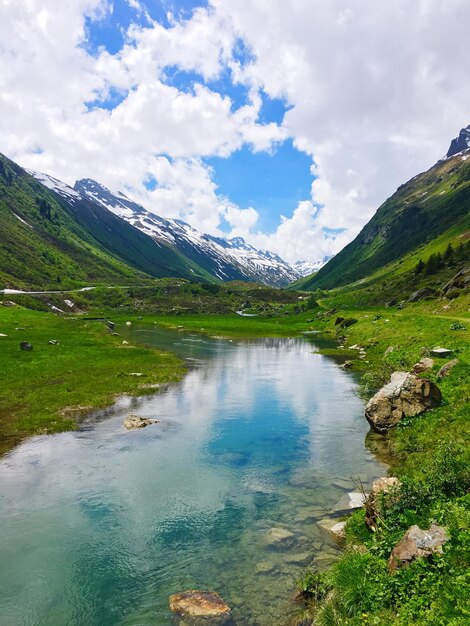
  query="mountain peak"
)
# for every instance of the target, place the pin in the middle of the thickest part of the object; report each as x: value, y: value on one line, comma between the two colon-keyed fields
x: 460, y: 143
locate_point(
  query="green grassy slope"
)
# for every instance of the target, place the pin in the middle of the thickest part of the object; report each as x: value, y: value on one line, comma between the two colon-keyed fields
x: 420, y: 211
x: 49, y: 242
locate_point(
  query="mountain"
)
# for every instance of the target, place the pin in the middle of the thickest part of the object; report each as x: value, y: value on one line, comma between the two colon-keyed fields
x: 53, y: 237
x: 425, y: 208
x: 461, y: 143
x: 304, y: 268
x: 225, y: 259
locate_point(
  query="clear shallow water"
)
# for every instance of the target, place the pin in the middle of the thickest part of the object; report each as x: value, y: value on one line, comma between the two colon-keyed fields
x: 99, y: 526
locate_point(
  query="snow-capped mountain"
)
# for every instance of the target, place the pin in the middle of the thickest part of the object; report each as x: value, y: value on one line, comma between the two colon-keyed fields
x: 460, y: 143
x: 227, y: 259
x: 305, y: 268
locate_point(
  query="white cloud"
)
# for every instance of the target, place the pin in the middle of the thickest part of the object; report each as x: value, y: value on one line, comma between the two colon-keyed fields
x: 378, y: 90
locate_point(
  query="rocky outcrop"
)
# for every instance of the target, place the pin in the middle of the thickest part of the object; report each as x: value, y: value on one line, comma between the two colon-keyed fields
x: 134, y: 421
x: 406, y: 395
x: 459, y: 281
x: 446, y: 368
x: 200, y: 604
x: 421, y: 294
x: 374, y: 503
x: 417, y: 543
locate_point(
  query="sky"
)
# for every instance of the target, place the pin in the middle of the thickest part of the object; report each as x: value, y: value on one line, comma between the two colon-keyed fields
x: 287, y: 123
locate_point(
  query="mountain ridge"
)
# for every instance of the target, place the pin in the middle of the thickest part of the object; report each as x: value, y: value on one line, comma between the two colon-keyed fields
x: 419, y: 211
x: 226, y: 259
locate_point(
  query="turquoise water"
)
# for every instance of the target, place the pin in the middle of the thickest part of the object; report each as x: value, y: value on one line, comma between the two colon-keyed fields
x: 100, y: 526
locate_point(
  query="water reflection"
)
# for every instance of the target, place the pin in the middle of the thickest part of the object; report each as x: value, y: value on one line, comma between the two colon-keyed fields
x: 101, y: 525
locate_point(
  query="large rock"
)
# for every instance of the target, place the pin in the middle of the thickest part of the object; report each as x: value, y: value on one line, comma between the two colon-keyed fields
x: 134, y: 421
x: 26, y: 346
x: 417, y: 543
x: 373, y: 506
x: 405, y: 395
x: 202, y: 604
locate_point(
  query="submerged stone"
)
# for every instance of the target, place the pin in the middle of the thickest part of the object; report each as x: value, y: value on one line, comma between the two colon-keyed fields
x: 134, y: 421
x: 278, y: 538
x: 195, y: 603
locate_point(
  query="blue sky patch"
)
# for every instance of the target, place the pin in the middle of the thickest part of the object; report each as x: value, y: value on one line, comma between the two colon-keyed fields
x: 273, y: 184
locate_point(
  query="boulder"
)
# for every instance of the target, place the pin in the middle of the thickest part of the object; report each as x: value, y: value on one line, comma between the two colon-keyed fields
x: 347, y: 364
x: 53, y: 342
x: 25, y: 345
x: 423, y: 365
x: 134, y: 421
x: 111, y: 325
x: 445, y: 369
x: 8, y: 303
x: 417, y: 543
x: 405, y: 395
x: 202, y: 604
x: 425, y: 292
x: 373, y: 504
x: 339, y: 320
x: 441, y: 353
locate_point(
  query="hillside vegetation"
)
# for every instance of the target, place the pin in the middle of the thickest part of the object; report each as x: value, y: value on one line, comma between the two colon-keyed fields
x: 47, y: 242
x: 432, y: 205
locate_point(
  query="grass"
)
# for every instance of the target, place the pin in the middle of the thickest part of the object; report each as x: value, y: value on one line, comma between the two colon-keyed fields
x: 48, y: 389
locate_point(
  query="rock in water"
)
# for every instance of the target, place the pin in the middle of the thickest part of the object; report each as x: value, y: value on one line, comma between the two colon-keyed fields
x: 415, y: 543
x: 380, y: 487
x: 405, y: 395
x: 134, y: 421
x: 25, y: 345
x: 205, y: 604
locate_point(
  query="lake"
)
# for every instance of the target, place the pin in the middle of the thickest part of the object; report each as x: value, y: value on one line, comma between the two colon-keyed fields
x: 101, y: 525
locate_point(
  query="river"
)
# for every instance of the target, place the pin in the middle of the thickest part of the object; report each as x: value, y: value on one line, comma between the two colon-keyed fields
x: 101, y: 525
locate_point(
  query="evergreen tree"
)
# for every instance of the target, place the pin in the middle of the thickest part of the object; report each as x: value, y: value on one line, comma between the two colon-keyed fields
x: 449, y: 254
x: 419, y: 267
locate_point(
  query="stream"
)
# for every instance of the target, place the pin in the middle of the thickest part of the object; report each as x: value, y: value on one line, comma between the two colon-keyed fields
x: 99, y: 526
